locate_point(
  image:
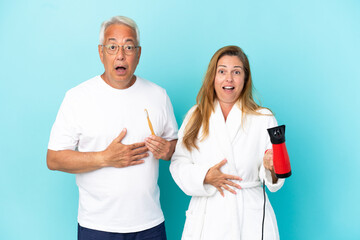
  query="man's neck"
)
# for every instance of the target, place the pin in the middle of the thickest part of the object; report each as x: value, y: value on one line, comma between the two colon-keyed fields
x: 119, y: 84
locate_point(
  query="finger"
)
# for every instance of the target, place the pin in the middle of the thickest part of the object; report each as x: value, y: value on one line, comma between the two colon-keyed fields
x: 133, y: 163
x: 157, y: 139
x: 220, y: 190
x: 157, y: 148
x: 229, y: 189
x: 232, y: 177
x: 155, y: 152
x: 269, y: 154
x: 137, y: 145
x: 230, y: 183
x: 153, y: 144
x: 138, y: 157
x: 121, y: 135
x: 152, y: 148
x: 138, y: 151
x: 271, y: 166
x: 156, y: 144
x: 268, y: 163
x: 220, y: 164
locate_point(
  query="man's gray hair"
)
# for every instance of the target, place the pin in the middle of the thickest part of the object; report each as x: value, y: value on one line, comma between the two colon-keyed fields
x: 119, y: 20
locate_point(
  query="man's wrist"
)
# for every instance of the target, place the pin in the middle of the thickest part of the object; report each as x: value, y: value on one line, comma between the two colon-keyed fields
x: 101, y: 159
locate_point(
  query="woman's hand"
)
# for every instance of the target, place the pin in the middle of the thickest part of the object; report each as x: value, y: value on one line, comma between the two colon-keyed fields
x: 268, y: 160
x: 269, y: 164
x: 220, y: 180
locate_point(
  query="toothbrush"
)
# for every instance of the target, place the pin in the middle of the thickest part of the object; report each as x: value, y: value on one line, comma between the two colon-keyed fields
x: 149, y: 122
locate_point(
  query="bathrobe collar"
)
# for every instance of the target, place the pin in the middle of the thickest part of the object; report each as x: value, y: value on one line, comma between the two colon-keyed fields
x: 225, y: 132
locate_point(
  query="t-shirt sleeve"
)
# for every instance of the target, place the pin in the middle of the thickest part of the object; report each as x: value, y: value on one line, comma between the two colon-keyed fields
x: 170, y: 126
x: 64, y: 134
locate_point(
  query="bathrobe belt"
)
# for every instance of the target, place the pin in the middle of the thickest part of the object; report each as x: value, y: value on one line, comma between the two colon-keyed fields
x: 250, y: 184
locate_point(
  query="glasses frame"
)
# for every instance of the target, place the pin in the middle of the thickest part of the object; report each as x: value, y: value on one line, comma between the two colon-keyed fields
x: 118, y: 47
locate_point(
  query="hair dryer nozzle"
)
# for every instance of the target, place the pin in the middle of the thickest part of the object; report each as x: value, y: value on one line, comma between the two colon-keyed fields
x: 280, y: 155
x: 277, y: 134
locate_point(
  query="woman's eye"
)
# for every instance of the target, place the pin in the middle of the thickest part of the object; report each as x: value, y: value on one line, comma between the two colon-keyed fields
x: 237, y: 72
x: 221, y: 71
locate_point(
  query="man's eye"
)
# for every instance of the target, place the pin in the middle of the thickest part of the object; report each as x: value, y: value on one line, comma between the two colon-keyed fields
x: 129, y: 47
x: 112, y: 47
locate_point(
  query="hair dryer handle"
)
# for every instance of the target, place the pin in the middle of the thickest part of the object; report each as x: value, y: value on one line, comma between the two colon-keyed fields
x: 280, y: 155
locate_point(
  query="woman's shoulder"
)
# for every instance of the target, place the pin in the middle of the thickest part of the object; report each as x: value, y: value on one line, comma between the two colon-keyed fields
x: 264, y: 111
x: 264, y: 117
x: 189, y: 113
x: 191, y: 110
x: 261, y: 116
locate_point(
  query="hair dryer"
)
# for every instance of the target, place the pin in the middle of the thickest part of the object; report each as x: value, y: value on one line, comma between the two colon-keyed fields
x: 280, y: 155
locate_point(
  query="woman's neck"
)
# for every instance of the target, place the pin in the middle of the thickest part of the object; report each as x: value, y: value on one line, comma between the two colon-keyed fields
x: 226, y: 108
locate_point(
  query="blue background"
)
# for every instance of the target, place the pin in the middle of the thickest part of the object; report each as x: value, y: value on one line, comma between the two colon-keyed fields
x: 304, y: 57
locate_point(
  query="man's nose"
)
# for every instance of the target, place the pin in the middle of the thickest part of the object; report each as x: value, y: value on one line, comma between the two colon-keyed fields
x: 120, y: 55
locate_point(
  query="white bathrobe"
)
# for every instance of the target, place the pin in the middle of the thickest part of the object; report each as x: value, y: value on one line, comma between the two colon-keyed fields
x: 243, y: 143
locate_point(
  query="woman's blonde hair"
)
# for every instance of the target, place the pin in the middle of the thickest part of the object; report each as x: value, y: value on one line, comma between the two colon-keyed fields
x: 207, y: 96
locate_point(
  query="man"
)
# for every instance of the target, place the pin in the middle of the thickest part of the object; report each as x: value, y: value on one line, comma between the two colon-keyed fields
x: 102, y: 134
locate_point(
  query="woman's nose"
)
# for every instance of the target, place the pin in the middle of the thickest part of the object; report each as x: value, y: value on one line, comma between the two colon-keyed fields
x: 229, y: 77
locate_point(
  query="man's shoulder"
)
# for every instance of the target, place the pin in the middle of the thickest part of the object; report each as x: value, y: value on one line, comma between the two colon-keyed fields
x: 150, y: 86
x: 84, y: 86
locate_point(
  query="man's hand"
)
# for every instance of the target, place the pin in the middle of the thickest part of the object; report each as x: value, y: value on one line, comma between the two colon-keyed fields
x: 115, y: 155
x: 220, y: 180
x: 120, y: 155
x: 160, y: 148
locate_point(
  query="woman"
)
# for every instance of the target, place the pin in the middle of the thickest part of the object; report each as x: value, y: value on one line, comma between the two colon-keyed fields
x: 220, y: 157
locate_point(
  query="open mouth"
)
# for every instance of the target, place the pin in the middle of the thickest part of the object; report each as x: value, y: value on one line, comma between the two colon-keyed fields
x: 228, y: 88
x: 120, y: 68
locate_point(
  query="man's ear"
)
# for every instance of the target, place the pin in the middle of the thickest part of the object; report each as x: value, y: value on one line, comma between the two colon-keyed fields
x: 101, y: 53
x: 139, y: 53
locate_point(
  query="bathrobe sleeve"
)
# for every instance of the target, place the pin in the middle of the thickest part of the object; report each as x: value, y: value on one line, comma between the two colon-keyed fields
x: 265, y: 174
x: 188, y: 173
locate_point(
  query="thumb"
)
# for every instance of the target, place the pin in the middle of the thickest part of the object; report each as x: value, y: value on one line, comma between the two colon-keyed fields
x: 222, y: 163
x: 269, y: 153
x: 121, y: 135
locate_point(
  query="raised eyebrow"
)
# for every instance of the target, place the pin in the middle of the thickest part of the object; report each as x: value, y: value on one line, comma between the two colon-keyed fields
x: 238, y: 67
x: 130, y: 40
x: 127, y: 40
x: 234, y: 66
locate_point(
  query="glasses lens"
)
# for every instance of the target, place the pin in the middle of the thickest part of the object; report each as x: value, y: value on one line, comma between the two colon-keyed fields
x: 112, y: 48
x: 129, y: 49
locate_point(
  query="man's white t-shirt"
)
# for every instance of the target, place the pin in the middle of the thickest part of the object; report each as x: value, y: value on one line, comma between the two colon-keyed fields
x: 91, y: 116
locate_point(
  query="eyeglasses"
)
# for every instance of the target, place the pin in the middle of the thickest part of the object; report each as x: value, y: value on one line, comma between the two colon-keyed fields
x: 113, y: 49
